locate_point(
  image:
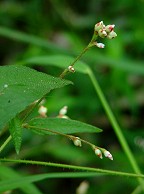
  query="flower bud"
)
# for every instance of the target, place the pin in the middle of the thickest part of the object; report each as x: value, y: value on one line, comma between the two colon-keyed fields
x: 99, y: 26
x: 98, y: 153
x: 71, y: 69
x: 63, y: 111
x: 99, y: 45
x: 109, y: 28
x: 102, y: 33
x: 111, y: 35
x: 108, y: 154
x: 77, y: 141
x: 42, y: 111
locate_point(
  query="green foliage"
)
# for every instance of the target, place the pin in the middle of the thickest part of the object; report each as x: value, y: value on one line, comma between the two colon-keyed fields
x: 15, y: 129
x: 8, y: 174
x: 47, y: 36
x: 20, y: 86
x: 21, y: 182
x: 65, y: 126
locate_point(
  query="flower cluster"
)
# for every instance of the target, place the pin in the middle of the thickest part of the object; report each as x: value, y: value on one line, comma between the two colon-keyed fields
x: 99, y: 151
x: 104, y: 32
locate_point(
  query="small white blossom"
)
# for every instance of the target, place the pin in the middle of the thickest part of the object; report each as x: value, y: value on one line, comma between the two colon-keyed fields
x: 99, y: 45
x: 77, y: 141
x: 71, y: 69
x: 109, y: 28
x: 108, y: 154
x: 111, y: 35
x: 63, y: 110
x: 105, y: 31
x: 102, y: 33
x: 42, y: 111
x: 98, y: 153
x: 99, y: 26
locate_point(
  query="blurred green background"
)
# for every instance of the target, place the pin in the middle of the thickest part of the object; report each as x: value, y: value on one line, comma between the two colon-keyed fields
x: 66, y: 27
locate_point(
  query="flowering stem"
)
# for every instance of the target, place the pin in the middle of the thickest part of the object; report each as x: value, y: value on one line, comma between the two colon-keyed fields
x: 71, y: 137
x: 66, y: 71
x: 81, y: 168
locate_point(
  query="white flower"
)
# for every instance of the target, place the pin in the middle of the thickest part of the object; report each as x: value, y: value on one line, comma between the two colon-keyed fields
x: 102, y: 33
x: 99, y: 45
x: 99, y: 26
x: 71, y: 69
x: 111, y: 35
x: 98, y: 153
x: 108, y: 154
x: 109, y: 28
x: 42, y: 111
x: 63, y: 111
x: 77, y: 141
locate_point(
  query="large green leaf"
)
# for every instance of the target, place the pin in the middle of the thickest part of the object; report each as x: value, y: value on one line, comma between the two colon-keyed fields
x: 7, y: 173
x: 66, y: 126
x: 15, y: 129
x: 20, y: 86
x: 62, y: 61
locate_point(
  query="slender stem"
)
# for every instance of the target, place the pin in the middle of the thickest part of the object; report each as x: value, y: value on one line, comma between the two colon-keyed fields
x: 66, y: 71
x: 5, y: 143
x: 88, y: 169
x: 116, y: 126
x: 80, y: 55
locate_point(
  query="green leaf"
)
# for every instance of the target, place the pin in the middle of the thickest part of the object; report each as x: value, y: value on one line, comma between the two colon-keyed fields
x: 65, y: 126
x: 20, y: 86
x: 21, y: 182
x: 30, y: 39
x: 62, y: 61
x: 7, y: 173
x: 16, y: 133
